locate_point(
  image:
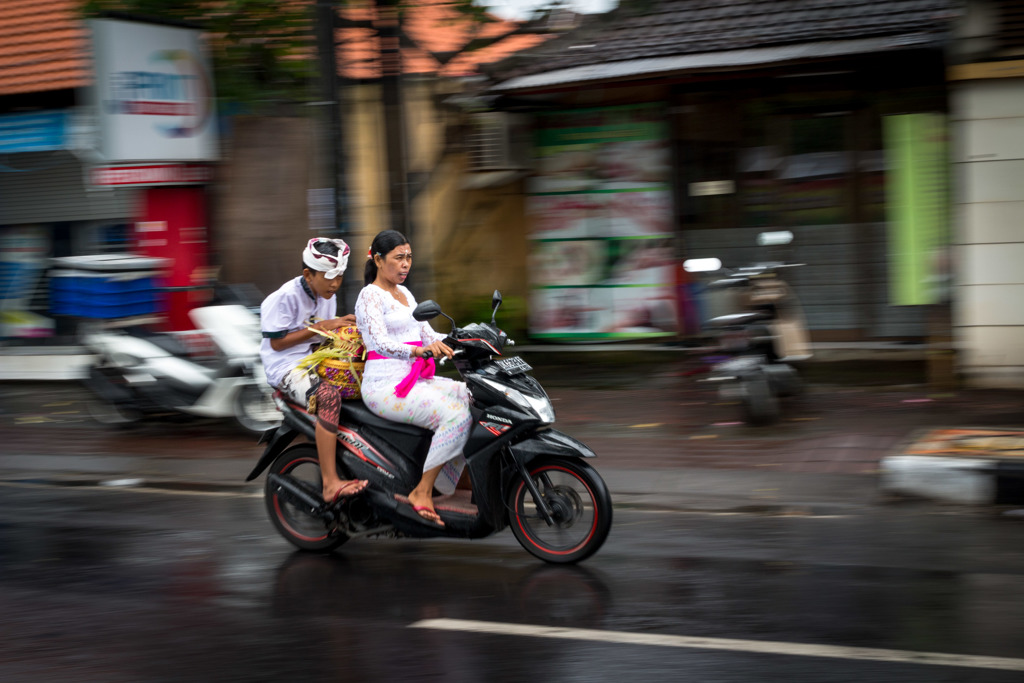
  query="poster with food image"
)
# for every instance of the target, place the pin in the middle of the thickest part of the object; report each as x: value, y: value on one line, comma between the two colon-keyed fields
x: 570, y: 262
x: 632, y: 164
x: 632, y: 214
x: 568, y: 168
x: 640, y: 262
x: 560, y: 310
x: 600, y: 213
x: 566, y: 216
x: 642, y: 310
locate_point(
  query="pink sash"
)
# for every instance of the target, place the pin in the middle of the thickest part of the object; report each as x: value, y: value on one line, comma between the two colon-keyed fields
x: 421, y: 368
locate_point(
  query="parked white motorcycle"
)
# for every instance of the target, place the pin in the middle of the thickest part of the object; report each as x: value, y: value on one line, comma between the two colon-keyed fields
x: 138, y: 374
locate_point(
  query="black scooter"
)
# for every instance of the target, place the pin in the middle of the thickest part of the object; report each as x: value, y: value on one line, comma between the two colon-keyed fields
x: 762, y: 343
x: 524, y: 474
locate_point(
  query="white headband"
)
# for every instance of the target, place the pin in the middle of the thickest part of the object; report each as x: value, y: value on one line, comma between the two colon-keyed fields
x: 330, y: 266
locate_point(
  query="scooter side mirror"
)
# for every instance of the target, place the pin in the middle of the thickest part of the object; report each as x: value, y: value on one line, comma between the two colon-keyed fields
x: 426, y: 310
x: 495, y: 302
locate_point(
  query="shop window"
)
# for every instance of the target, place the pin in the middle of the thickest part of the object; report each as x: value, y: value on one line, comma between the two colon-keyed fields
x: 815, y: 175
x: 102, y: 238
x: 759, y: 159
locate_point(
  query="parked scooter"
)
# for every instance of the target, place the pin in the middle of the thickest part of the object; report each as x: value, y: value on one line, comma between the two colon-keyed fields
x: 523, y: 473
x: 140, y: 374
x: 763, y: 340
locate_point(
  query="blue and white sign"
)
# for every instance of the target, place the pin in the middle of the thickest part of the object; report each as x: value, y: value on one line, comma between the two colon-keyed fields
x: 36, y: 132
x: 153, y: 94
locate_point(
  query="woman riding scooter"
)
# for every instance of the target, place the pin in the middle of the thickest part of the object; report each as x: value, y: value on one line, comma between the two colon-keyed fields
x: 398, y: 383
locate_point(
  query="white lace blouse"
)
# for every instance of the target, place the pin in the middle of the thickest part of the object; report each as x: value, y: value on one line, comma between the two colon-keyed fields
x: 386, y: 324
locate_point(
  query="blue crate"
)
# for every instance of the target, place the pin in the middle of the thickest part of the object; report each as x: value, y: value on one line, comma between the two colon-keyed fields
x: 104, y: 295
x: 106, y: 285
x: 72, y: 296
x: 106, y: 310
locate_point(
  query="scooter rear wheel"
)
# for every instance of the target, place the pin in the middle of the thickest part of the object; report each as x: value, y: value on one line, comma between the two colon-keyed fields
x: 581, y: 509
x: 300, y: 462
x: 760, y: 405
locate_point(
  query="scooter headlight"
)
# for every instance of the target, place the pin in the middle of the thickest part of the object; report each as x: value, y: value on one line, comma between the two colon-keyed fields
x: 540, y: 406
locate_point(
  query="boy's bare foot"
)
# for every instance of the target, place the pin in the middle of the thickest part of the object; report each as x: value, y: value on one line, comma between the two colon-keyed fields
x: 344, y: 489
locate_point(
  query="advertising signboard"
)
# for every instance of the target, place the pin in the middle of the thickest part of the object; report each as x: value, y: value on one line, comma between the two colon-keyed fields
x: 153, y: 93
x: 600, y: 214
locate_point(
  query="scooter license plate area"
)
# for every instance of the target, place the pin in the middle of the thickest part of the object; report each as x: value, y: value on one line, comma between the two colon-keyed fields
x: 513, y: 365
x: 740, y: 364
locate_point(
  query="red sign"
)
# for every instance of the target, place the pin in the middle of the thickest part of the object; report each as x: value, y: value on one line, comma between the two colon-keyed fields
x: 152, y: 174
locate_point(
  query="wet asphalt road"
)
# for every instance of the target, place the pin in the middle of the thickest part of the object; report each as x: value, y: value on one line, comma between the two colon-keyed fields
x: 113, y: 585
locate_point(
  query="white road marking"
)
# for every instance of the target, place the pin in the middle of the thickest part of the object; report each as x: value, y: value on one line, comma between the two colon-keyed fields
x: 734, y: 645
x: 129, y: 489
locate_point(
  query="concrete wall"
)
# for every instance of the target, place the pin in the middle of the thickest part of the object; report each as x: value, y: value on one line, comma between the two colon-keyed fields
x: 259, y: 219
x: 988, y: 165
x: 467, y: 242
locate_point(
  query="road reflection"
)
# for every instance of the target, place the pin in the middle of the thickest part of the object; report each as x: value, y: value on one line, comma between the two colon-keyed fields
x: 409, y: 587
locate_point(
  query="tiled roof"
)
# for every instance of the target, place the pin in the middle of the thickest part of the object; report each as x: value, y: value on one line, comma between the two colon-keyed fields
x: 436, y: 30
x: 43, y: 46
x: 658, y: 28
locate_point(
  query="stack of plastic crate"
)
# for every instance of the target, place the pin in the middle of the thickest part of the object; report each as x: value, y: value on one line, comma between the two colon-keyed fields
x: 106, y: 286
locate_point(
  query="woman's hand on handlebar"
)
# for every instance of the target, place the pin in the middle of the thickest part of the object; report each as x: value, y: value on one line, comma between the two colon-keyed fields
x: 436, y: 349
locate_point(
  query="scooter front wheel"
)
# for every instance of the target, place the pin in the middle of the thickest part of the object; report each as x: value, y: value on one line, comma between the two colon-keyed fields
x: 301, y: 464
x: 581, y: 510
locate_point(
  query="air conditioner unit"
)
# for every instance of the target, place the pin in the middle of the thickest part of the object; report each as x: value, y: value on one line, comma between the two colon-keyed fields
x: 499, y: 141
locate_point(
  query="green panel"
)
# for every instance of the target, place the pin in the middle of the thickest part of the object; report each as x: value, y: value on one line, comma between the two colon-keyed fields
x: 917, y: 206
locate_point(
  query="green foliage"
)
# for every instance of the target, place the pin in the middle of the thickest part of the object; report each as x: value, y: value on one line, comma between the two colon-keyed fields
x: 263, y: 51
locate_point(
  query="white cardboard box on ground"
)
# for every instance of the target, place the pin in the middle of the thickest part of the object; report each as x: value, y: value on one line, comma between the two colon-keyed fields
x: 967, y: 481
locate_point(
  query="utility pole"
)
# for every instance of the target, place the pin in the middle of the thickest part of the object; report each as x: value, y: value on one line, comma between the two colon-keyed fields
x: 389, y: 34
x: 325, y: 21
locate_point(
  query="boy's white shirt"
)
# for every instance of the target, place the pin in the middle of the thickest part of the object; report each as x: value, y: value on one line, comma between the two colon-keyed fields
x: 288, y: 309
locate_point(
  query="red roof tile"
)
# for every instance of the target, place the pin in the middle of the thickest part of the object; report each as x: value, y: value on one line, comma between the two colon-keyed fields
x: 43, y: 46
x: 435, y: 26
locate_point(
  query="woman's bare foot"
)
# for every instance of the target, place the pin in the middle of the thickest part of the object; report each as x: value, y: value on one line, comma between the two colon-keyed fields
x: 335, y: 491
x: 424, y: 507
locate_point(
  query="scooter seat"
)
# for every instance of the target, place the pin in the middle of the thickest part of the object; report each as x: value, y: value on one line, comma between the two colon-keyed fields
x: 738, y: 319
x: 164, y: 342
x: 357, y: 411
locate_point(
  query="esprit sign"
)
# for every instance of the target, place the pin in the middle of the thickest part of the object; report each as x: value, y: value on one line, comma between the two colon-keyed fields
x: 153, y: 93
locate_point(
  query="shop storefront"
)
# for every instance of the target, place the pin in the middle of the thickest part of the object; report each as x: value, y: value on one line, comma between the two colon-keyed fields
x: 769, y: 120
x: 854, y: 166
x: 833, y: 164
x: 48, y: 209
x: 125, y: 172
